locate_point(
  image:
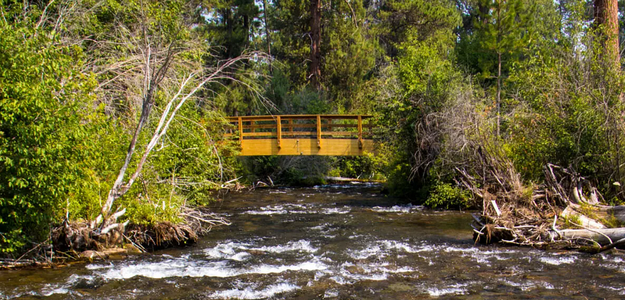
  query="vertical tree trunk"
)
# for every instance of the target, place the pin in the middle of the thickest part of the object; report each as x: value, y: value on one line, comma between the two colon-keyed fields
x: 246, y: 26
x: 315, y: 45
x: 606, y: 19
x: 498, y: 93
x: 606, y: 16
x: 267, y: 36
x: 499, y: 39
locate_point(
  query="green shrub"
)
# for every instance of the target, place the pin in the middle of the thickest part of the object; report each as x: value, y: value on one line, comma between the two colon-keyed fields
x: 444, y: 195
x: 44, y: 126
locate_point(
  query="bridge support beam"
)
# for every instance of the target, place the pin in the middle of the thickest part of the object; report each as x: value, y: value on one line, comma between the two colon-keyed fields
x: 303, y: 146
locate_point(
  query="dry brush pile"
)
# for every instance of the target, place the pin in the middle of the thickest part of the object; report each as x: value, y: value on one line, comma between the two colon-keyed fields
x: 561, y: 211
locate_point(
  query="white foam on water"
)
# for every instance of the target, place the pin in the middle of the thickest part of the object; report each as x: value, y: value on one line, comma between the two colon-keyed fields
x: 74, y: 279
x: 373, y: 250
x: 556, y: 261
x: 46, y: 291
x: 615, y: 267
x: 301, y: 246
x: 333, y: 293
x: 49, y: 290
x: 524, y: 286
x: 350, y: 273
x: 326, y: 227
x: 236, y: 251
x: 170, y: 268
x: 612, y: 262
x: 383, y: 248
x: 436, y: 292
x: 405, y: 247
x: 229, y: 250
x: 250, y: 293
x: 452, y: 289
x: 336, y: 210
x: 363, y: 277
x: 241, y: 256
x: 340, y: 280
x: 184, y: 268
x: 547, y: 285
x: 401, y: 209
x: 266, y: 212
x: 620, y: 291
x: 481, y: 256
x: 290, y: 208
x: 314, y: 265
x: 277, y: 192
x: 98, y: 266
x: 385, y: 268
x: 617, y: 259
x: 300, y: 207
x: 611, y: 259
x: 403, y: 270
x: 471, y: 250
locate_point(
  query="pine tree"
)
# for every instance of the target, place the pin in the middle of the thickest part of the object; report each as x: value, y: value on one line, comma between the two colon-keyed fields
x: 606, y: 19
x: 504, y: 28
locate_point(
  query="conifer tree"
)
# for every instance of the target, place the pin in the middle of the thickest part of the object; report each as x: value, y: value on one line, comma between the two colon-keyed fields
x: 504, y: 28
x: 606, y: 19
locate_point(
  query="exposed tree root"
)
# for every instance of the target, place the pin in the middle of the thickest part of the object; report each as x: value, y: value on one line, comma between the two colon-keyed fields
x: 103, y: 239
x: 161, y: 235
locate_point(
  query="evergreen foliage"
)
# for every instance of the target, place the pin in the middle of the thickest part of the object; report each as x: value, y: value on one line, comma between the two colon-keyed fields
x: 449, y: 83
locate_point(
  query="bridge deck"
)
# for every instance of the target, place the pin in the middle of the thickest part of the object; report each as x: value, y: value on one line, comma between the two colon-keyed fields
x: 336, y: 135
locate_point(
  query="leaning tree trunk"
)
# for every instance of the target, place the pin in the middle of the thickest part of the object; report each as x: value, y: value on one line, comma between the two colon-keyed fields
x: 168, y: 113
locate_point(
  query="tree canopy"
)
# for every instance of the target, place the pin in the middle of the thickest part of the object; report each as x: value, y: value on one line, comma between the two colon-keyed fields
x: 87, y: 86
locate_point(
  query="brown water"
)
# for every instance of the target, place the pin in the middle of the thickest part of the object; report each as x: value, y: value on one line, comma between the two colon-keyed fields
x: 331, y: 242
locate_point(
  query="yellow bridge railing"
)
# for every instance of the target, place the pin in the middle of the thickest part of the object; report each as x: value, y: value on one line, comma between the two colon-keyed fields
x: 334, y: 135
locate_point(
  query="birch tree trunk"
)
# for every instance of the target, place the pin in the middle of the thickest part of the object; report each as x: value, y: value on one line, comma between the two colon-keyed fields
x: 167, y: 116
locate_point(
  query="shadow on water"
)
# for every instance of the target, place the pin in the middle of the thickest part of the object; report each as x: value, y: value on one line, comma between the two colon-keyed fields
x: 331, y: 242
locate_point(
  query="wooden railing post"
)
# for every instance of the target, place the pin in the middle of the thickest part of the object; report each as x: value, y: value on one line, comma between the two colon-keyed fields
x: 240, y: 129
x: 279, y: 132
x: 360, y: 142
x: 335, y: 135
x: 319, y: 131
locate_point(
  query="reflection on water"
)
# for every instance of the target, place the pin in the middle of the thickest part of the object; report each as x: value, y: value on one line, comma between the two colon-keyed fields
x: 331, y: 242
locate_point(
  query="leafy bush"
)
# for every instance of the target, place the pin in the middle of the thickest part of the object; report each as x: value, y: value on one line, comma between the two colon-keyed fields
x: 43, y: 132
x: 444, y: 195
x: 569, y: 115
x: 364, y: 167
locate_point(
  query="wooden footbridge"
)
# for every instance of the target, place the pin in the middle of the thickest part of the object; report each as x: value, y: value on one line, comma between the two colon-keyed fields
x: 335, y: 135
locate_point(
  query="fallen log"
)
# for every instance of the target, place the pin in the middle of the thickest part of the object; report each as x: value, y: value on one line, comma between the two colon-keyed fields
x: 582, y: 220
x: 603, y: 236
x: 617, y: 211
x: 620, y: 242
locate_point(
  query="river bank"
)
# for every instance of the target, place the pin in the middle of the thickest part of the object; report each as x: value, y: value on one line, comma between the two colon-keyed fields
x: 330, y: 242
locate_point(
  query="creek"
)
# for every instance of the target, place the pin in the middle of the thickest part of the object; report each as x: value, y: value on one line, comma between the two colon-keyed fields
x: 330, y: 242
